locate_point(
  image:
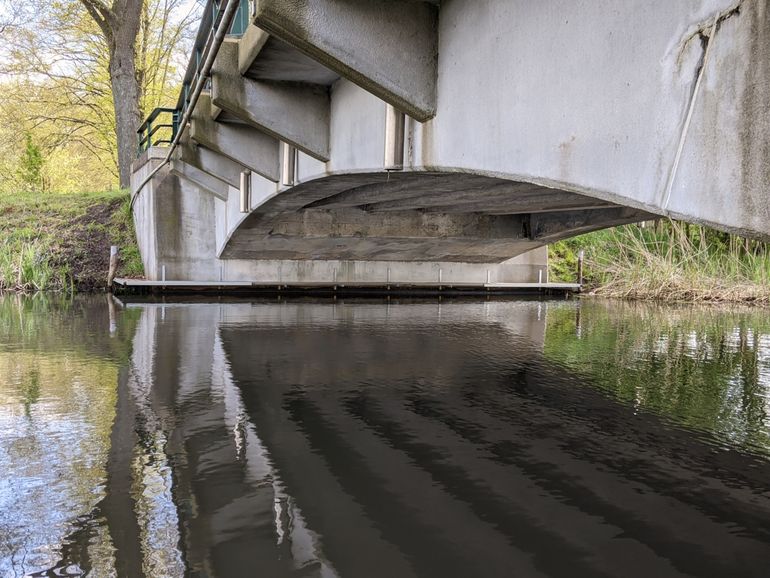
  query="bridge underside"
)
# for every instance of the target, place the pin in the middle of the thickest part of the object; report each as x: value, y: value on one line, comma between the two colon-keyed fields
x: 425, y: 216
x: 471, y: 132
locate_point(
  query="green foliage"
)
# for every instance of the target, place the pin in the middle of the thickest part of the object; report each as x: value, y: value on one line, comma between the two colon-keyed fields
x: 57, y: 88
x: 31, y: 166
x: 124, y: 237
x: 26, y: 266
x: 60, y: 242
x: 670, y: 260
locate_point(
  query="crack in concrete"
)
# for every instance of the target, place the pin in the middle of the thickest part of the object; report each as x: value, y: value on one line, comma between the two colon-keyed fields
x: 704, y: 29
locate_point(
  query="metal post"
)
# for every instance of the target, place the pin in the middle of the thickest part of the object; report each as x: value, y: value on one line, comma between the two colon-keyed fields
x: 394, y: 139
x: 288, y: 165
x: 245, y: 191
x: 113, y: 266
x: 111, y: 312
x: 580, y: 268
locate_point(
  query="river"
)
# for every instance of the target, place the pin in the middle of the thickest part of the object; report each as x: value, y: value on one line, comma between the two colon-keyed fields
x: 382, y: 438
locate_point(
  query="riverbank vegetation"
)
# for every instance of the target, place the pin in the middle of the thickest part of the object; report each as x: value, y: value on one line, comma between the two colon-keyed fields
x: 62, y: 241
x: 667, y: 260
x: 68, y: 120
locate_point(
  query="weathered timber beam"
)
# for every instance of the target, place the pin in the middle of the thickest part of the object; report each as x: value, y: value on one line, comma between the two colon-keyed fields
x: 388, y: 47
x: 295, y: 113
x: 241, y: 143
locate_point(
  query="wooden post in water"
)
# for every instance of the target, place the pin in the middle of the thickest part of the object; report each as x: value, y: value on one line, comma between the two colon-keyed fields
x: 113, y: 266
x: 580, y: 268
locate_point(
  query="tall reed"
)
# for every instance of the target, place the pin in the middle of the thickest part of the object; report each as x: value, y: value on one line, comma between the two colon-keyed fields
x: 25, y: 266
x: 676, y: 262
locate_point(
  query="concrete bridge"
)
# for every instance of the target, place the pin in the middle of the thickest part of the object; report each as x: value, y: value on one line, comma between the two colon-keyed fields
x: 359, y: 140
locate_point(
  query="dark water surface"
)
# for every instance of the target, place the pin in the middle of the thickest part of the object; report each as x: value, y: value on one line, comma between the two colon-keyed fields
x: 362, y: 439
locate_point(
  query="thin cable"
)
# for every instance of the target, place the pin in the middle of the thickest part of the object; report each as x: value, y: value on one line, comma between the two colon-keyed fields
x: 688, y: 118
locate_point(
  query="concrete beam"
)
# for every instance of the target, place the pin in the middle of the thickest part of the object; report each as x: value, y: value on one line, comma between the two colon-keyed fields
x: 408, y: 185
x: 202, y: 179
x: 252, y: 42
x: 550, y: 227
x: 216, y: 165
x: 387, y: 47
x: 294, y: 113
x: 243, y: 144
x: 536, y: 201
x: 355, y: 223
x: 474, y: 192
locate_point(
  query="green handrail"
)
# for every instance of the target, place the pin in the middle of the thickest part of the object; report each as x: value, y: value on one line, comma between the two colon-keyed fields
x: 211, y: 17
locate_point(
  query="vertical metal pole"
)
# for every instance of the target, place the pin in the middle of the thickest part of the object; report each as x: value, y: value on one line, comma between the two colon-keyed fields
x: 394, y: 139
x: 113, y: 266
x: 175, y: 124
x: 288, y: 165
x: 540, y: 277
x: 245, y: 191
x: 580, y: 268
x: 163, y: 273
x: 111, y: 312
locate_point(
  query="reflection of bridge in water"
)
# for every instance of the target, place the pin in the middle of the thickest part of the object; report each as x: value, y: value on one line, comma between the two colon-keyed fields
x: 369, y: 440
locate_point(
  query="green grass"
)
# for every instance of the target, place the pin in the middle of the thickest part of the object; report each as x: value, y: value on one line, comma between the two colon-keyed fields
x: 672, y: 261
x: 62, y: 242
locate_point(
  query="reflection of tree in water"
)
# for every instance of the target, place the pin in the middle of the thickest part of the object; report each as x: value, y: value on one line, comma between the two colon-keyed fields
x: 706, y: 368
x: 30, y: 389
x: 58, y: 381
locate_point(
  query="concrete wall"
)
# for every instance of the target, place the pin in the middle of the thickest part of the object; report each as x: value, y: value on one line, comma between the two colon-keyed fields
x: 593, y: 96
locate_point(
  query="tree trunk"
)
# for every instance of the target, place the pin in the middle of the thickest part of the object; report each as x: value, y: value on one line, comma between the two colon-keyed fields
x: 125, y: 83
x: 120, y: 25
x: 125, y: 96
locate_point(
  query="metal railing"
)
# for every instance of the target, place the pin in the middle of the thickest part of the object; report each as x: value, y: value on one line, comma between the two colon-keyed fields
x: 150, y: 127
x: 210, y: 19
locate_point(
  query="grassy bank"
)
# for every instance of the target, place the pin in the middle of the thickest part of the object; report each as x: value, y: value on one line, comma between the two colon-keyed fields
x: 670, y: 261
x: 62, y: 242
